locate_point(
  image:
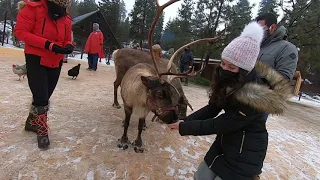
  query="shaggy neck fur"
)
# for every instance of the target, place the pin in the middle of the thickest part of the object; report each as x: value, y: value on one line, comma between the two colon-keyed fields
x: 259, y: 96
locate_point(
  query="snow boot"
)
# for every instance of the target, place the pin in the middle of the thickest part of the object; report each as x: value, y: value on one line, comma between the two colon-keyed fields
x: 31, y: 124
x: 42, y: 127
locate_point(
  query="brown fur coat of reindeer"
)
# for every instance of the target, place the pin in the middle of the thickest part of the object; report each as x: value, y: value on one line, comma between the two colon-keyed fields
x: 144, y: 89
x: 126, y: 58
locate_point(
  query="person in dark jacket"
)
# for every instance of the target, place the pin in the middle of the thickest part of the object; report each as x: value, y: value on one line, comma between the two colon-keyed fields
x: 238, y: 88
x: 186, y: 62
x: 45, y: 28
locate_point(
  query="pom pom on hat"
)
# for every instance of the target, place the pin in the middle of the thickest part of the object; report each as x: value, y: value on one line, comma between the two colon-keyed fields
x: 243, y: 51
x: 253, y: 30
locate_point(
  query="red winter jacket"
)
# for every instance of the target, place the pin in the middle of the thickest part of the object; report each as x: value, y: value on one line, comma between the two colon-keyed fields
x: 94, y: 44
x: 34, y: 27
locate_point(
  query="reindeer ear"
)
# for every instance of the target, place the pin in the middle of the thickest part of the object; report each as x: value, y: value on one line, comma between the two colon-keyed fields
x: 149, y: 81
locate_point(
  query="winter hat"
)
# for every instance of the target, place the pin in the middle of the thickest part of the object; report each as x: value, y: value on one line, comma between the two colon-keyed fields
x: 62, y: 3
x: 96, y: 27
x: 243, y: 51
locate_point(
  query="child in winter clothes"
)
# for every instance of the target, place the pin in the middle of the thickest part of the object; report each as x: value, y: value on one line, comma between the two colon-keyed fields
x: 245, y: 91
x: 45, y: 28
x: 94, y: 47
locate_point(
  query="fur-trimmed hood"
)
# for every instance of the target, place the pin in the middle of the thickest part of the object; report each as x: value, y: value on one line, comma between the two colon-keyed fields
x: 21, y: 4
x: 261, y: 97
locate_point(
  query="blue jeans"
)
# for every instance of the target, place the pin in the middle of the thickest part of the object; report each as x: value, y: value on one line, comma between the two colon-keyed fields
x: 93, y: 61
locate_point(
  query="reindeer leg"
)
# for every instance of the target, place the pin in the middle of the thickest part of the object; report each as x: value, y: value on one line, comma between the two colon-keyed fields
x: 138, y: 142
x: 124, y: 141
x: 144, y: 125
x: 116, y: 85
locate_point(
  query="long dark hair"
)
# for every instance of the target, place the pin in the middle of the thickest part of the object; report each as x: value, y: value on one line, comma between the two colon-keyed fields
x: 218, y: 92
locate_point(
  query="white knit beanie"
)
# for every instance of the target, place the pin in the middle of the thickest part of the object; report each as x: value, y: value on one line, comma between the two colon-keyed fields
x: 243, y: 51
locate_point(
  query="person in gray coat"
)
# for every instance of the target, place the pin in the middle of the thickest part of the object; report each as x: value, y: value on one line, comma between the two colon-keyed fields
x: 275, y: 50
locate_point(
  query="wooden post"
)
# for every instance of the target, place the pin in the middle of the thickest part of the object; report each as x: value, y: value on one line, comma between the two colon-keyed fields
x: 297, y: 75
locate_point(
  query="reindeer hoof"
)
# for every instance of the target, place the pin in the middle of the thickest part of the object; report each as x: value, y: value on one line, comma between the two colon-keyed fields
x: 123, y: 146
x: 138, y: 149
x: 138, y: 146
x: 123, y: 143
x: 116, y: 106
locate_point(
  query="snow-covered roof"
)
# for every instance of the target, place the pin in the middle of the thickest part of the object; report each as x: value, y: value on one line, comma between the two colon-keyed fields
x: 82, y: 17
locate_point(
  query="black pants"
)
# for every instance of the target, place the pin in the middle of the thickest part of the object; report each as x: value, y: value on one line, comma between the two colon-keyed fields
x: 42, y: 80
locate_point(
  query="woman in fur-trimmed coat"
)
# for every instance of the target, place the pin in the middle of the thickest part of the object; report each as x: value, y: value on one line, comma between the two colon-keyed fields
x: 245, y: 91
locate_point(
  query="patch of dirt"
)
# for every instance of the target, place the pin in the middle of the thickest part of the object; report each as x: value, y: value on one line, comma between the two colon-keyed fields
x: 85, y: 128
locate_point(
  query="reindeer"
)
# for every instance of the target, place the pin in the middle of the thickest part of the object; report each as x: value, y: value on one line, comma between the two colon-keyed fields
x: 126, y: 58
x: 144, y: 89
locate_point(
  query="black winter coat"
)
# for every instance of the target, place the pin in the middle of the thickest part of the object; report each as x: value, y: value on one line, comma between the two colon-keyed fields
x: 187, y: 58
x: 241, y: 144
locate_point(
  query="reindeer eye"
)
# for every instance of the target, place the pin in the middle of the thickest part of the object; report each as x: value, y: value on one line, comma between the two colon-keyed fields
x: 160, y: 94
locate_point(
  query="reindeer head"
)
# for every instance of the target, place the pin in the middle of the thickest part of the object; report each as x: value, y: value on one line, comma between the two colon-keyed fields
x: 164, y: 97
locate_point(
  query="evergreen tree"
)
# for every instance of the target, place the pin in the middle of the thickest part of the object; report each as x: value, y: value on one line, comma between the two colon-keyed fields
x: 86, y: 7
x: 74, y: 8
x: 111, y: 11
x: 179, y: 31
x: 237, y: 17
x: 304, y: 31
x: 268, y: 6
x: 185, y: 21
x: 142, y: 15
x: 209, y: 14
x: 171, y: 36
x: 124, y: 31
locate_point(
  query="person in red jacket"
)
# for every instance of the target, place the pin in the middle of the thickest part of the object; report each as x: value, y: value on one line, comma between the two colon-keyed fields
x: 45, y: 28
x: 94, y: 47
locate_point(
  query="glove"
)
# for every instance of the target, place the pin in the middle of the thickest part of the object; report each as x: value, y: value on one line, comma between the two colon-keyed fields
x: 69, y: 48
x: 55, y: 48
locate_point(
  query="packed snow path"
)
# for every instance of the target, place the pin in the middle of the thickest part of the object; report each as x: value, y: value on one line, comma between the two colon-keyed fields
x: 84, y: 129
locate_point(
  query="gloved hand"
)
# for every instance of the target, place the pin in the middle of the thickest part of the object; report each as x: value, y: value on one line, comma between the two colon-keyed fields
x: 69, y: 48
x: 55, y: 48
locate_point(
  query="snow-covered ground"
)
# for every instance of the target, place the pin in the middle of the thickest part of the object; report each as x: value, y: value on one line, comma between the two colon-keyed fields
x: 84, y: 129
x: 307, y: 100
x: 85, y: 56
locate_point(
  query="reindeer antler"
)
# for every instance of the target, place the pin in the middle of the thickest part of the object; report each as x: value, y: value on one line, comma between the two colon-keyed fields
x: 190, y: 73
x: 155, y: 20
x: 210, y: 40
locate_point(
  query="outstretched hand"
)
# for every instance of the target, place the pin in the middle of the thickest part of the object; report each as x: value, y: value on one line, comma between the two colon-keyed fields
x: 175, y: 126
